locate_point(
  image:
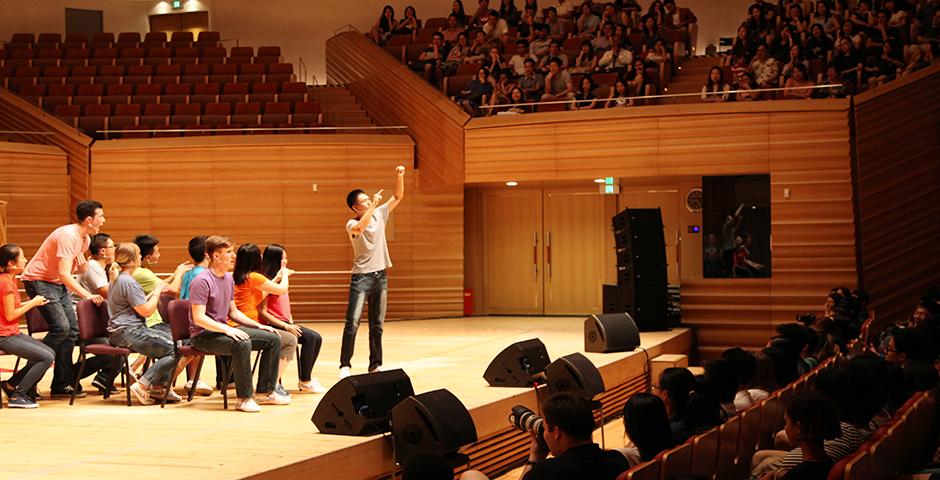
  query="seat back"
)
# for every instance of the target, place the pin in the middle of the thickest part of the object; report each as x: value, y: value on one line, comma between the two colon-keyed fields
x: 92, y: 320
x: 727, y: 448
x: 748, y: 437
x: 677, y: 461
x: 705, y: 453
x: 771, y: 410
x: 643, y: 471
x: 179, y: 313
x: 34, y: 322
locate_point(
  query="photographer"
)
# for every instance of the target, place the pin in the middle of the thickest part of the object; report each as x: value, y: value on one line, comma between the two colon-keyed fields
x: 567, y: 433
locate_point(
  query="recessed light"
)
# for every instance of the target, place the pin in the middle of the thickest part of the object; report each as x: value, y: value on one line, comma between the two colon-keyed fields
x: 599, y: 180
x: 512, y: 183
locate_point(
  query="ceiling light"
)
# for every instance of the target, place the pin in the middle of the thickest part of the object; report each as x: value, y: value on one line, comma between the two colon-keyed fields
x: 512, y: 183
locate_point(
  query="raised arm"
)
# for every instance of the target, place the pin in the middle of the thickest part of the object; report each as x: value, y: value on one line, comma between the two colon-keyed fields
x: 281, y: 286
x: 399, y: 188
x: 363, y: 222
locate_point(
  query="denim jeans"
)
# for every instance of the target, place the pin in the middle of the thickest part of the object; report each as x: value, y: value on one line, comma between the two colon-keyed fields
x: 63, y: 329
x: 38, y: 357
x: 371, y: 287
x: 152, y: 343
x: 310, y: 342
x: 240, y: 352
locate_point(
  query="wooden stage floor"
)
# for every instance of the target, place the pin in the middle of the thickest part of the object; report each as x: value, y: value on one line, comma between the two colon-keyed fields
x: 96, y: 438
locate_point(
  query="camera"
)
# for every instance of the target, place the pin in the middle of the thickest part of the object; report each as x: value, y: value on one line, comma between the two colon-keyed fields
x: 525, y: 420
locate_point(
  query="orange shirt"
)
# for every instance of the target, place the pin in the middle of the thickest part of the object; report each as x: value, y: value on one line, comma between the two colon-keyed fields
x: 9, y: 326
x: 248, y: 296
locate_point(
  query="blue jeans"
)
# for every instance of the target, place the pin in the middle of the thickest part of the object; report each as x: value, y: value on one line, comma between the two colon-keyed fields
x: 38, y: 357
x: 152, y: 343
x: 240, y: 352
x: 371, y: 287
x: 63, y: 329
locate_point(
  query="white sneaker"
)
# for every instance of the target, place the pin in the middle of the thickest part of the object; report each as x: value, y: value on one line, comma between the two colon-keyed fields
x: 313, y: 386
x: 141, y: 394
x: 343, y: 372
x: 376, y: 369
x: 247, y: 405
x: 201, y: 388
x: 272, y: 398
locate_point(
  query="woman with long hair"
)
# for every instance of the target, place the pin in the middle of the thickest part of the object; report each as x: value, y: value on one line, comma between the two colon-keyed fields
x: 384, y: 25
x: 39, y: 356
x: 715, y: 89
x: 276, y: 312
x: 251, y: 289
x: 646, y: 423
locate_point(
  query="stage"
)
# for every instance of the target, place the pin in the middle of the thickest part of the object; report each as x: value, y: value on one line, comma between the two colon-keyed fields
x: 96, y: 438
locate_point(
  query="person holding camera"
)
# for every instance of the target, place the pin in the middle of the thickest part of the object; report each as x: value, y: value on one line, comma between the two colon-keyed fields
x: 566, y: 432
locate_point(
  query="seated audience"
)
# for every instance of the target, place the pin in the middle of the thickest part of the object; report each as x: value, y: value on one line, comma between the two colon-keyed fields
x: 619, y: 96
x: 617, y: 59
x: 409, y: 24
x: 587, y: 22
x: 725, y: 382
x: 554, y: 51
x: 586, y: 61
x: 557, y: 82
x: 384, y: 25
x: 39, y: 357
x: 517, y: 61
x: 453, y: 30
x: 646, y: 424
x: 764, y: 68
x: 715, y: 88
x: 197, y: 252
x: 810, y: 420
x: 531, y: 82
x: 476, y: 92
x: 95, y: 277
x: 746, y: 85
x: 797, y: 85
x: 586, y: 100
x: 690, y: 413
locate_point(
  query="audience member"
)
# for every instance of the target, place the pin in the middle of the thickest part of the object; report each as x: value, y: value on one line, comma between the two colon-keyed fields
x: 557, y: 82
x: 384, y: 25
x: 476, y: 92
x: 810, y: 420
x: 531, y: 82
x: 95, y: 277
x: 586, y: 100
x: 646, y: 424
x: 715, y: 88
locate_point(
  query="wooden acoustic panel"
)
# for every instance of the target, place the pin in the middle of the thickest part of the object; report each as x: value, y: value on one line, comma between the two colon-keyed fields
x: 897, y: 174
x: 289, y: 190
x: 18, y: 115
x: 34, y: 183
x: 394, y: 95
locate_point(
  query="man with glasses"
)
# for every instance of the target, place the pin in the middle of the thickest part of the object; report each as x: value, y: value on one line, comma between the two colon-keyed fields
x: 94, y: 278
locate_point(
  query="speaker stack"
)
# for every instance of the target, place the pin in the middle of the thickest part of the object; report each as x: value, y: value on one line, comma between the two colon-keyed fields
x: 641, y: 289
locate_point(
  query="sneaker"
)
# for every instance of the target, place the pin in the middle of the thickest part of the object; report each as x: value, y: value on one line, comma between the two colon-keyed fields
x: 104, y: 388
x: 375, y: 369
x: 22, y: 401
x: 202, y: 388
x: 272, y: 398
x: 247, y: 405
x: 343, y: 372
x: 67, y: 393
x: 157, y: 394
x: 279, y: 389
x: 313, y: 386
x: 141, y: 394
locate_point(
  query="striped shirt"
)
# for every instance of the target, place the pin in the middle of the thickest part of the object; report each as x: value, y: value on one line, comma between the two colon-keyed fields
x: 852, y: 437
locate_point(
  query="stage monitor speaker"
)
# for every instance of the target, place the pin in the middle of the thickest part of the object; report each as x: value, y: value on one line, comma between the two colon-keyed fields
x: 433, y: 422
x: 516, y: 364
x: 360, y: 404
x: 574, y: 374
x: 614, y: 332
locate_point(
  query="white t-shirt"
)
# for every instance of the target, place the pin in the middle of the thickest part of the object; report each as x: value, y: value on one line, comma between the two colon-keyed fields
x: 370, y: 249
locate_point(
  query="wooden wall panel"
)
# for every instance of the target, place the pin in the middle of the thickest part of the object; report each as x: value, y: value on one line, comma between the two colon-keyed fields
x: 394, y: 95
x: 260, y: 189
x: 897, y: 178
x: 804, y: 146
x: 17, y: 114
x: 35, y: 185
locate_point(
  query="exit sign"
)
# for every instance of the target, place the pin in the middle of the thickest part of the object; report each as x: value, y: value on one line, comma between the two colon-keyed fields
x: 609, y: 187
x: 176, y: 4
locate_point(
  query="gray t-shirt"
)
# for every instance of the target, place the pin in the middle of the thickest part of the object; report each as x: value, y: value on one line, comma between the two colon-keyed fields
x: 369, y: 248
x: 94, y: 277
x: 123, y: 295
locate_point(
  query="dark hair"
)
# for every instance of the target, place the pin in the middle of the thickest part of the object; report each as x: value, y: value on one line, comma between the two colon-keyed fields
x: 646, y: 422
x: 86, y: 208
x: 556, y: 61
x: 528, y: 61
x: 709, y: 84
x: 197, y: 248
x: 271, y: 261
x: 247, y: 260
x: 817, y: 415
x: 147, y: 243
x: 522, y: 42
x: 802, y: 69
x: 9, y: 253
x: 784, y: 368
x: 678, y: 384
x: 438, y: 34
x: 743, y: 361
x: 724, y: 377
x: 352, y: 197
x: 570, y: 413
x: 427, y: 466
x: 907, y: 341
x: 98, y: 241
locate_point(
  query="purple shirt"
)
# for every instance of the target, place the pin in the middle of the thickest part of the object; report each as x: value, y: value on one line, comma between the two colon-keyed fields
x: 216, y: 293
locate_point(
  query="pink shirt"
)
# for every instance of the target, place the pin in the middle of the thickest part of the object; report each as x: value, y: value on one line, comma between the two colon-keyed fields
x: 9, y: 326
x: 64, y: 242
x: 279, y: 306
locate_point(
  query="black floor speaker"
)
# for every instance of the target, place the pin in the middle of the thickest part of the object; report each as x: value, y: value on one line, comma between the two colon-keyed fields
x: 433, y: 422
x: 516, y: 364
x: 612, y: 332
x: 574, y: 374
x: 360, y: 404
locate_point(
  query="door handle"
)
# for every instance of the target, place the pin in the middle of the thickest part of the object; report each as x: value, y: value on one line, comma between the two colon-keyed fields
x: 548, y: 254
x: 535, y: 255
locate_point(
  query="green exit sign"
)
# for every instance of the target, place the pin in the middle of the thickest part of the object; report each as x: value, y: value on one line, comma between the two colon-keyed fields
x: 177, y: 4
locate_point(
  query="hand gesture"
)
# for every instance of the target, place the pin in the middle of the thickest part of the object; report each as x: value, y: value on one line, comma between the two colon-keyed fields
x: 38, y: 301
x: 377, y: 197
x: 96, y: 299
x: 286, y: 272
x: 293, y: 329
x: 184, y: 267
x: 237, y: 334
x: 400, y: 170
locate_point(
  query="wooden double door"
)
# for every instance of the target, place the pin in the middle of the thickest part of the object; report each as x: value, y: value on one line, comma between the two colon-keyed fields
x: 546, y: 250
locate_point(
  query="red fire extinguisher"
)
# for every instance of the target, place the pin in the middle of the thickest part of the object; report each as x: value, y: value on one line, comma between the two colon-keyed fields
x: 468, y: 302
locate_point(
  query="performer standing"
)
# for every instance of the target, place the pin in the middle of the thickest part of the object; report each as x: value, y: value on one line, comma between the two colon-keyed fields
x: 371, y: 260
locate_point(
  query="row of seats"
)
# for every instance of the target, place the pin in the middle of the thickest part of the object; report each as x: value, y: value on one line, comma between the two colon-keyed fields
x: 206, y: 129
x: 139, y: 74
x: 93, y: 118
x: 128, y: 56
x: 75, y: 39
x: 725, y: 452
